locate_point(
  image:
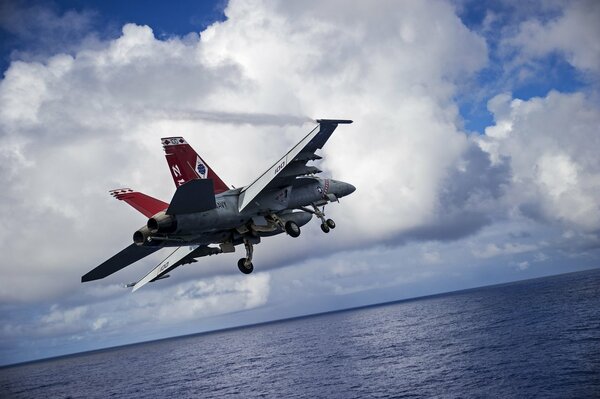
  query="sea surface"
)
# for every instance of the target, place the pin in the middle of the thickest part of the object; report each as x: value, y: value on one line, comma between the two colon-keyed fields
x: 536, y: 338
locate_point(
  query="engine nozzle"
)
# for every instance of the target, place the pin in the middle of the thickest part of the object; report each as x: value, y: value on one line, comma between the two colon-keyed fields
x: 162, y: 223
x: 143, y: 237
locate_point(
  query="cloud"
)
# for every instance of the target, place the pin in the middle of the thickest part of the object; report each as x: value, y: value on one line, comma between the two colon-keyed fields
x: 38, y: 30
x: 144, y: 315
x: 75, y: 126
x: 219, y: 295
x: 551, y: 143
x: 523, y: 265
x: 468, y: 198
x: 63, y: 320
x: 493, y: 250
x: 572, y: 33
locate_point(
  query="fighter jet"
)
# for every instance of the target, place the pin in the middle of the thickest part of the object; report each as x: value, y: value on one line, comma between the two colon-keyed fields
x: 206, y: 217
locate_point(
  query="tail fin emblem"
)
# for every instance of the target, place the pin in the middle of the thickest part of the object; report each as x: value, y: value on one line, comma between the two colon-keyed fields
x: 201, y: 168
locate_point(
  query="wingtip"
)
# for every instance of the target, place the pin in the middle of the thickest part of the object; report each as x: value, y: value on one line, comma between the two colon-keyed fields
x: 119, y: 193
x: 337, y: 121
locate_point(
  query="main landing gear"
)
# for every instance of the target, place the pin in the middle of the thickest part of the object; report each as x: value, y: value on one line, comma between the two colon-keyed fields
x: 326, y: 224
x: 245, y: 264
x: 290, y: 227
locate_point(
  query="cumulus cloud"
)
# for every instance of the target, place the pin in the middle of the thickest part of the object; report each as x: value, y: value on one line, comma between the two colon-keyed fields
x: 215, y: 296
x: 63, y: 320
x: 573, y: 33
x: 551, y: 143
x: 77, y: 125
x: 40, y: 30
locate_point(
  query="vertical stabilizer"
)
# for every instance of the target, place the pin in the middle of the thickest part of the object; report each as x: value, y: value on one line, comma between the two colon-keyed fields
x: 185, y: 164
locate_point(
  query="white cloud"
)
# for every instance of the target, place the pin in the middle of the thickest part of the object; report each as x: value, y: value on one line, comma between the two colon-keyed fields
x: 493, y: 250
x: 79, y: 125
x: 62, y: 321
x: 99, y: 323
x: 39, y: 30
x: 574, y: 33
x: 551, y: 144
x: 523, y: 265
x: 209, y: 297
x: 431, y: 257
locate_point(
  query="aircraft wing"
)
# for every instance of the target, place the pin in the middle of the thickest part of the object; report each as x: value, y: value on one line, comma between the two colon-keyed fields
x: 131, y: 254
x: 180, y: 256
x: 292, y: 164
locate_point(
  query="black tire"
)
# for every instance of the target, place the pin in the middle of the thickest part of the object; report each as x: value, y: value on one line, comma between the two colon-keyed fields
x: 292, y: 229
x: 325, y: 228
x: 243, y: 268
x: 330, y: 223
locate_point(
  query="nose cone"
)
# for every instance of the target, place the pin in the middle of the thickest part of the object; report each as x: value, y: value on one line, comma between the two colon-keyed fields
x: 341, y: 189
x: 349, y: 189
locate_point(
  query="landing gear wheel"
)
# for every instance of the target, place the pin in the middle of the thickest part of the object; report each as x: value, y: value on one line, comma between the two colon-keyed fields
x: 330, y: 223
x: 292, y: 229
x: 325, y: 228
x: 246, y: 269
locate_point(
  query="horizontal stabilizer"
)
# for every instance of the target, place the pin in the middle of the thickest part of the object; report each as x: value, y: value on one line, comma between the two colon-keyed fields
x: 129, y: 255
x: 146, y: 204
x: 194, y: 196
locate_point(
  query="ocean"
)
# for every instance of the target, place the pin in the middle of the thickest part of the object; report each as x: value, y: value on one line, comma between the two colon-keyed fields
x: 530, y: 339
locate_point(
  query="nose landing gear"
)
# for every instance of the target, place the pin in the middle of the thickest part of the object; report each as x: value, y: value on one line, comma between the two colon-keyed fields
x: 326, y: 224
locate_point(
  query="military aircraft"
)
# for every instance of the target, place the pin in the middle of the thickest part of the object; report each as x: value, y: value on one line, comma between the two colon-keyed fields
x: 204, y: 211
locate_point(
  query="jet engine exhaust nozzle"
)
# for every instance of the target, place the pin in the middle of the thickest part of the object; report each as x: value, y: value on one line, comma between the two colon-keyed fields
x: 162, y: 223
x: 140, y: 236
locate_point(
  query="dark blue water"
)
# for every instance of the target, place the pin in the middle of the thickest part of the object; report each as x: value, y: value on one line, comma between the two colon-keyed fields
x: 537, y: 338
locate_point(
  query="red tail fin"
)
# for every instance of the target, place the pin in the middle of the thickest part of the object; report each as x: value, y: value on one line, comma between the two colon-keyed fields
x: 144, y: 203
x: 186, y: 164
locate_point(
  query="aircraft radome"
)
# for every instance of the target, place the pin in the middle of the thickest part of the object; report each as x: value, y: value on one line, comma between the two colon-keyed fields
x: 204, y: 211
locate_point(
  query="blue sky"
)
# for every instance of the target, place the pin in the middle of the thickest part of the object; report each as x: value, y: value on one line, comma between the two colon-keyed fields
x: 473, y: 152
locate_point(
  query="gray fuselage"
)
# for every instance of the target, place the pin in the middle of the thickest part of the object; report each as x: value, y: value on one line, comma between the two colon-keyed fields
x: 264, y: 217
